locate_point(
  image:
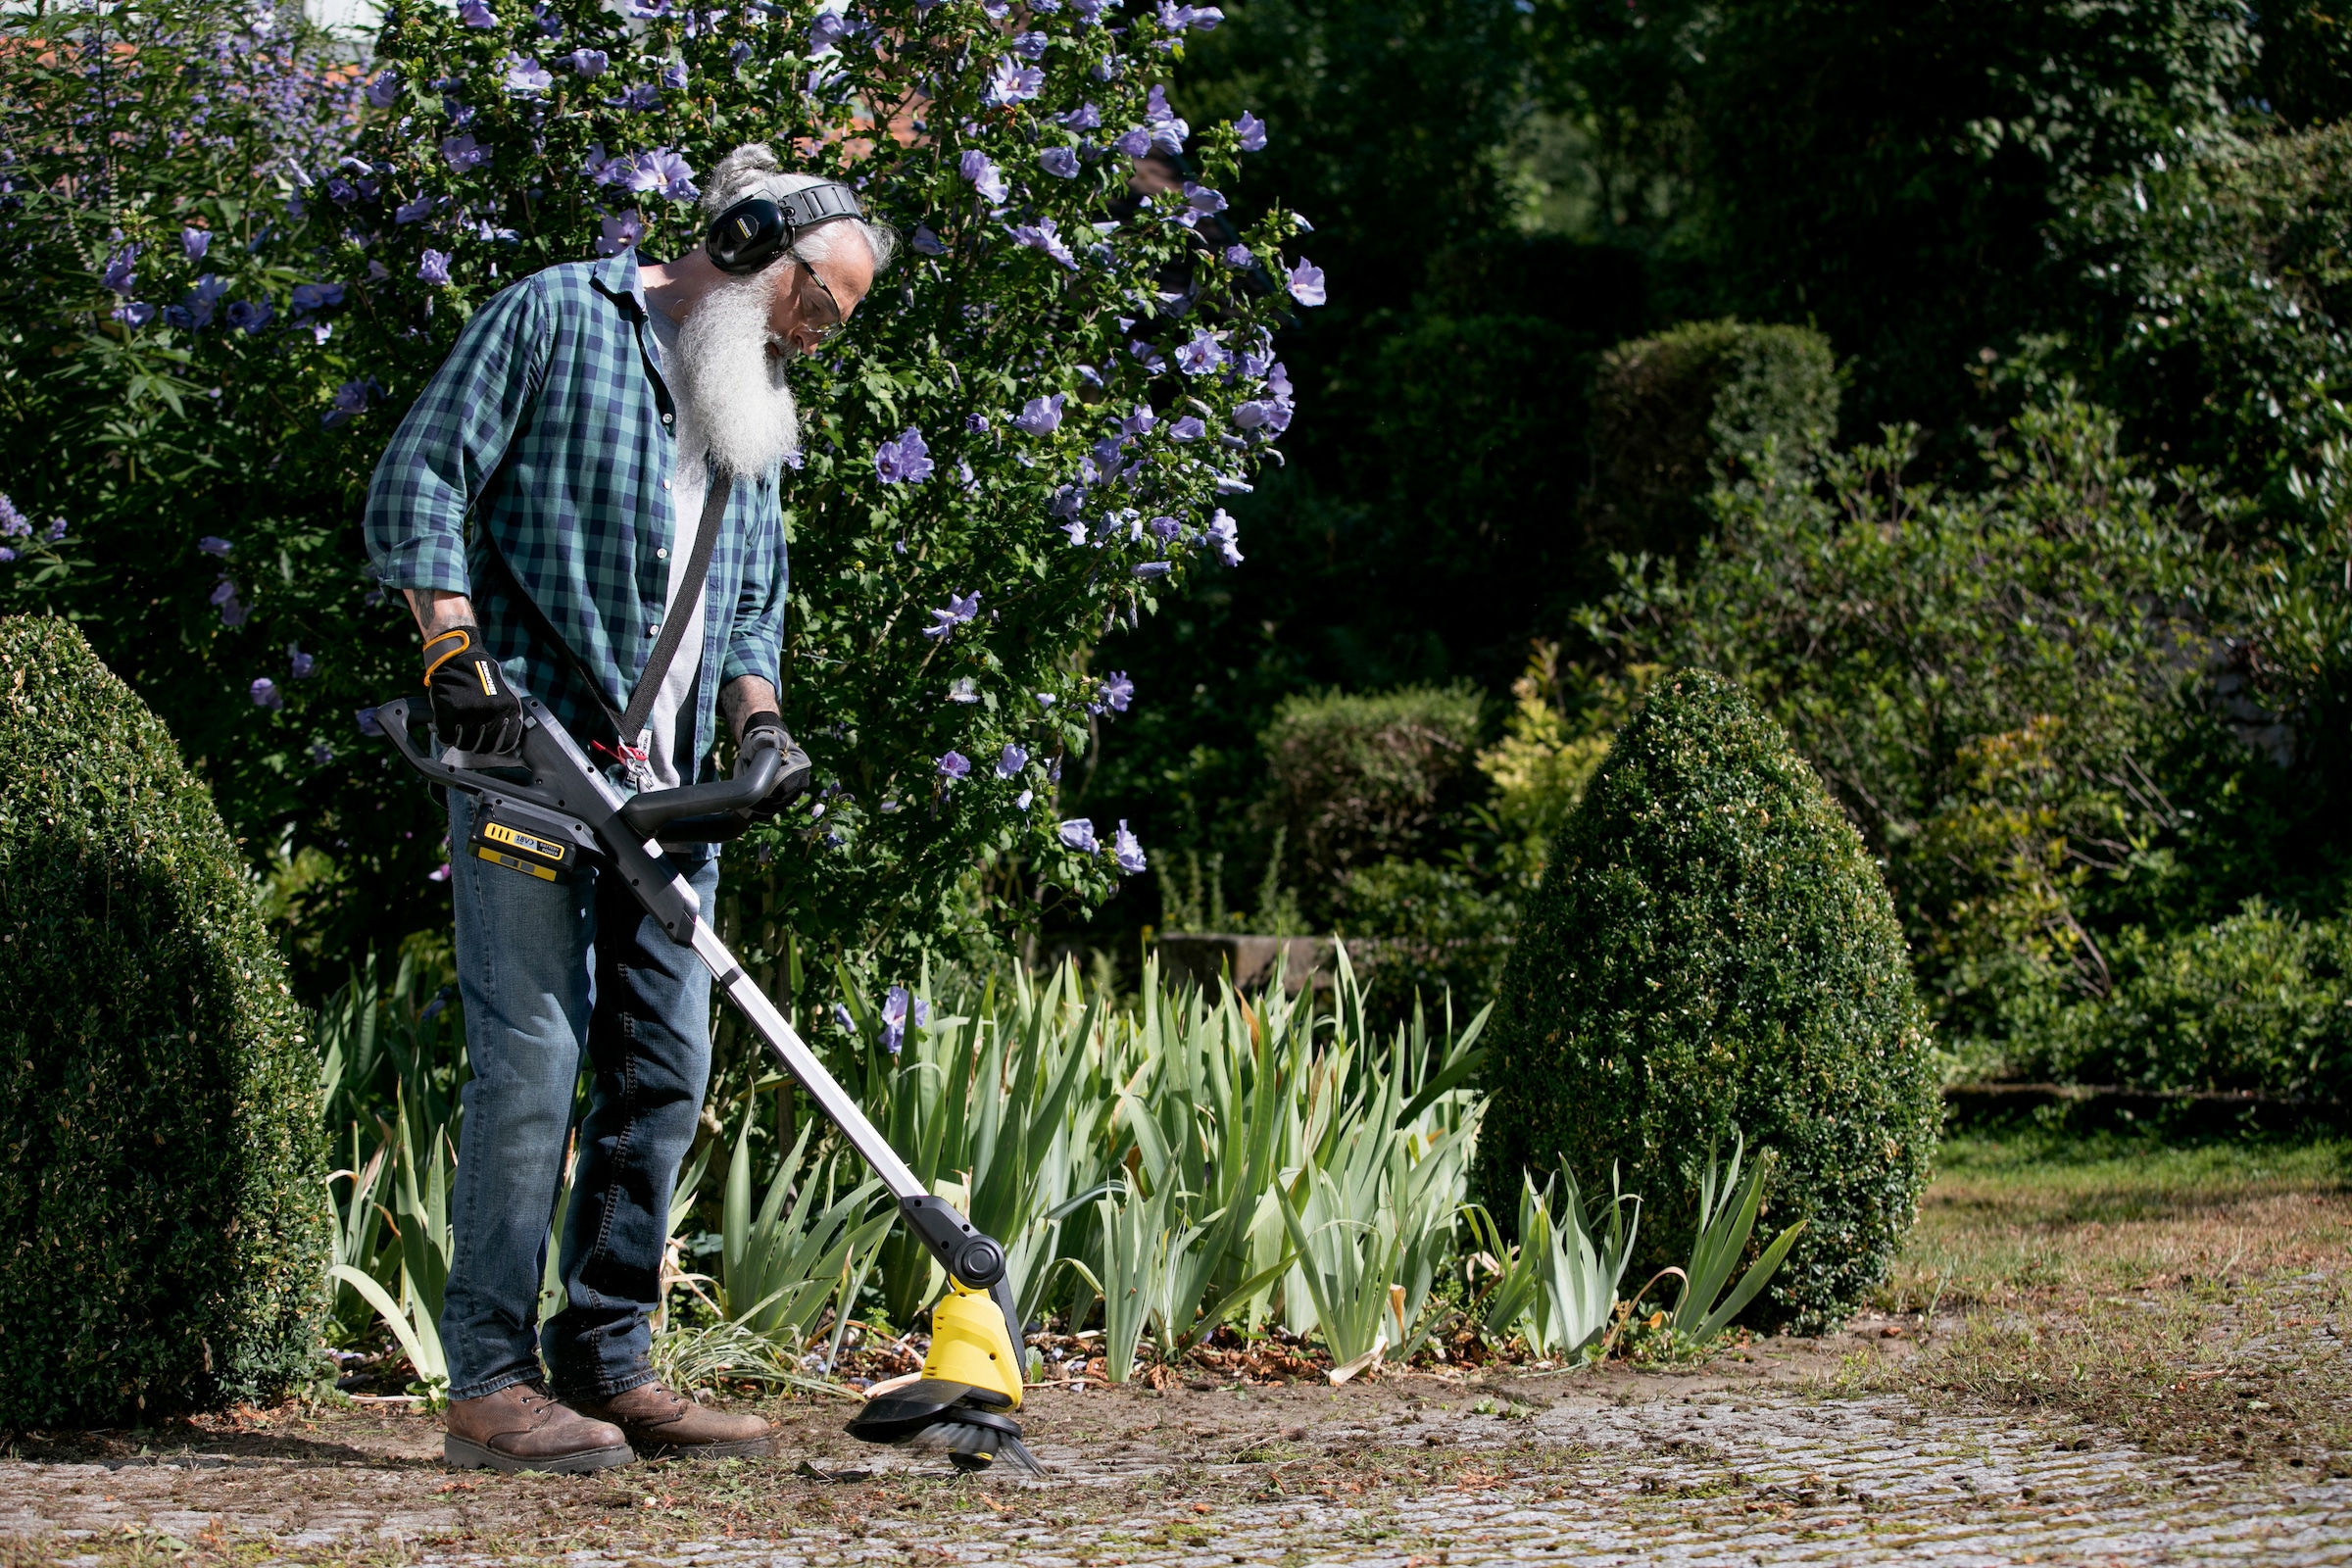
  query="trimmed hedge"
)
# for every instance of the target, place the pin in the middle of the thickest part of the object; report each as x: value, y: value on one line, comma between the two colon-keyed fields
x: 163, y: 1228
x: 1671, y: 411
x: 1711, y: 946
x: 1356, y: 778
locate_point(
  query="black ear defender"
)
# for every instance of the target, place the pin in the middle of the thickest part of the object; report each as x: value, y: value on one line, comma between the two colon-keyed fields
x: 757, y: 230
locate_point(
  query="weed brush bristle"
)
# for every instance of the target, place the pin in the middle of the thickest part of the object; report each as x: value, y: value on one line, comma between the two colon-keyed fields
x: 975, y: 1440
x: 955, y: 1417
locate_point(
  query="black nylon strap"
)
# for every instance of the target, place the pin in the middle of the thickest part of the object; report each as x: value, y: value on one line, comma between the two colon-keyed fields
x: 626, y: 726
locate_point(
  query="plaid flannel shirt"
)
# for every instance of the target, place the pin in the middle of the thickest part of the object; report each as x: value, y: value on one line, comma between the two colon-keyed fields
x: 551, y: 424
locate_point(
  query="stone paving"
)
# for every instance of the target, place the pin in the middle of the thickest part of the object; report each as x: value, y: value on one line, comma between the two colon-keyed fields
x: 1717, y: 1475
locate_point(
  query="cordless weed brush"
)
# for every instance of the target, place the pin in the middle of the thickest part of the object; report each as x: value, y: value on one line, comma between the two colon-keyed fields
x: 568, y: 818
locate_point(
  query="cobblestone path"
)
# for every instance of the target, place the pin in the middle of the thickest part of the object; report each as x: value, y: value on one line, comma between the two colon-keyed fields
x: 1715, y: 1474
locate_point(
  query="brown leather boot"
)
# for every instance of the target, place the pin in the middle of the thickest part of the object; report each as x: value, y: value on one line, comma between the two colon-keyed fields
x: 521, y: 1428
x: 661, y: 1425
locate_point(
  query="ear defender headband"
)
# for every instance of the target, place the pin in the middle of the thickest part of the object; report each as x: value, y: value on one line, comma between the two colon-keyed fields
x: 757, y: 230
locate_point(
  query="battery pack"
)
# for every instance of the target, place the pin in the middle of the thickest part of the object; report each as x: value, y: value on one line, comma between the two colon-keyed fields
x: 522, y: 838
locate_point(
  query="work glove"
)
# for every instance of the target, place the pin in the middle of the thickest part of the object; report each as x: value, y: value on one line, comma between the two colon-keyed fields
x: 792, y: 778
x: 475, y: 709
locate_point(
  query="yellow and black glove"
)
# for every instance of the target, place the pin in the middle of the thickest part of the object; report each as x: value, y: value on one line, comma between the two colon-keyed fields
x: 475, y: 709
x: 792, y: 778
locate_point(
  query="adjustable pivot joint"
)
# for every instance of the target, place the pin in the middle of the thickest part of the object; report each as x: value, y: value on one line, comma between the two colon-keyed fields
x: 961, y: 1250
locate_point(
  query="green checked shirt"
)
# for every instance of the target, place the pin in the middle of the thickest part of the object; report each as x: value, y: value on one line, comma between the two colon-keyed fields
x: 551, y: 426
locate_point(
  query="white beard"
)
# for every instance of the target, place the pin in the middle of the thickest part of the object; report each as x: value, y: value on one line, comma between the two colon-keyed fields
x: 732, y: 389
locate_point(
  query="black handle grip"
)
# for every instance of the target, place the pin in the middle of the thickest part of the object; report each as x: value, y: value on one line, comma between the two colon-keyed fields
x: 754, y: 775
x: 392, y: 719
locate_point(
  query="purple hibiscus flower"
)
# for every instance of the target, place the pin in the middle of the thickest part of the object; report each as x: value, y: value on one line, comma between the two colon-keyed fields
x: 1225, y: 534
x: 1012, y: 83
x: 897, y: 1004
x: 120, y: 274
x: 622, y: 231
x: 960, y: 612
x: 1042, y: 235
x: 526, y: 78
x: 1202, y: 356
x: 984, y: 177
x: 1306, y: 282
x: 904, y: 461
x: 1127, y: 850
x: 1041, y: 416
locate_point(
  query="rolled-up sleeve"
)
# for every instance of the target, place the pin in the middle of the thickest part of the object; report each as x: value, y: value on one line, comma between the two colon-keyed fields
x: 756, y: 640
x: 452, y: 442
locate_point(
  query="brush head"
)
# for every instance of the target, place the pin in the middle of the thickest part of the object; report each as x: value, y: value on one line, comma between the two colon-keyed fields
x: 963, y: 1422
x: 977, y: 1439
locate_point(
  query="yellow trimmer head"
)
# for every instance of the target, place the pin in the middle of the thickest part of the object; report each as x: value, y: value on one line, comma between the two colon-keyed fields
x: 961, y: 1399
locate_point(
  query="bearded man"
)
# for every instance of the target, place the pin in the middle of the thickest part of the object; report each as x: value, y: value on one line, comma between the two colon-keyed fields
x: 582, y: 422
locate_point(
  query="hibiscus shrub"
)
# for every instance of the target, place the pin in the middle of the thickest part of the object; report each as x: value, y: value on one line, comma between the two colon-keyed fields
x: 1020, y: 442
x: 179, y: 480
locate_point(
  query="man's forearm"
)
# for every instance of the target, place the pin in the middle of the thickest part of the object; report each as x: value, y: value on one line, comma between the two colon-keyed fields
x: 744, y: 696
x: 437, y: 610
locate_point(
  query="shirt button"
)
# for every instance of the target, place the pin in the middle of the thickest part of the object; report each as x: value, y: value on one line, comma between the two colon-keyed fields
x: 654, y: 630
x: 661, y: 554
x: 666, y: 484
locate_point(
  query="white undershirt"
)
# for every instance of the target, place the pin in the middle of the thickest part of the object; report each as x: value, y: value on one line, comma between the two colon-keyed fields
x: 690, y: 484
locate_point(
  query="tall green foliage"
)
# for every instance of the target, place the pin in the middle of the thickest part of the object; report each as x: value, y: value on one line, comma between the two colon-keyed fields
x: 1885, y: 170
x: 1983, y: 681
x: 178, y: 330
x: 2217, y: 297
x: 162, y: 1188
x: 1712, y: 948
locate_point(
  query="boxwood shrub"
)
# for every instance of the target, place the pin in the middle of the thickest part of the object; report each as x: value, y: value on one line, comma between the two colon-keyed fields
x: 1674, y: 411
x: 1711, y: 946
x: 162, y: 1222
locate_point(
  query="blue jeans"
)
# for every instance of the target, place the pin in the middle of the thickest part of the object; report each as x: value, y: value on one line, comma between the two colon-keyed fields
x: 550, y: 971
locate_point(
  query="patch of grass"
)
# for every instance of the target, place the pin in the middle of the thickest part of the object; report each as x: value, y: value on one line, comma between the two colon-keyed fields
x: 2034, y: 1215
x: 2253, y: 1372
x: 2188, y: 1297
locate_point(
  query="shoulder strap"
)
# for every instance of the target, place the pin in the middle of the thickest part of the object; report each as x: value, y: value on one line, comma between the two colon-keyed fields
x: 680, y: 613
x: 628, y: 726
